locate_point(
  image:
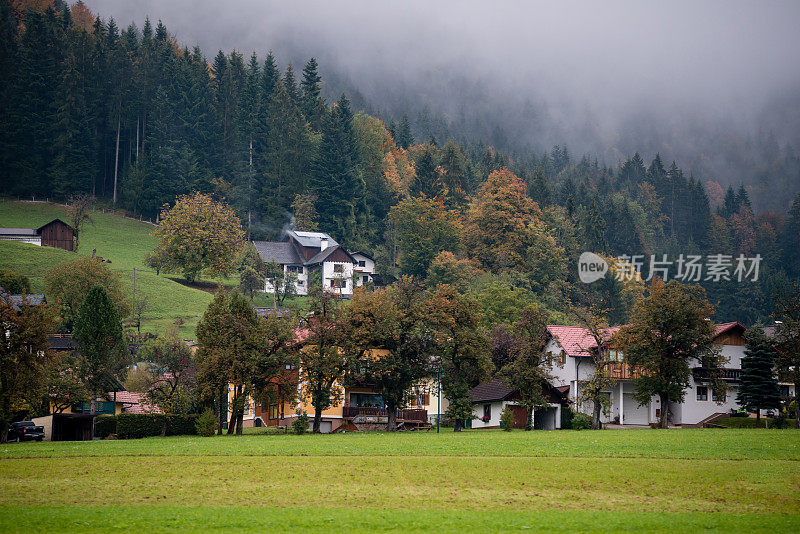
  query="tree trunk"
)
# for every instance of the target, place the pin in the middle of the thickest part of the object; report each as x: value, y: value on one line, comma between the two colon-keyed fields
x: 4, y: 433
x: 317, y: 420
x: 116, y: 160
x: 239, y: 421
x: 457, y: 426
x: 391, y: 422
x: 234, y: 411
x: 596, y: 407
x: 221, y: 413
x: 797, y: 404
x: 758, y: 417
x: 529, y: 420
x: 164, y: 427
x: 664, y: 423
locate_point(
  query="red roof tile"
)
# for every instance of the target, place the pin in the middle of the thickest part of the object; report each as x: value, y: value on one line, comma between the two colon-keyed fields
x: 576, y: 340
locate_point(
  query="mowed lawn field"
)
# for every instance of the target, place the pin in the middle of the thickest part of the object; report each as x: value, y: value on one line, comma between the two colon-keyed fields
x: 676, y: 480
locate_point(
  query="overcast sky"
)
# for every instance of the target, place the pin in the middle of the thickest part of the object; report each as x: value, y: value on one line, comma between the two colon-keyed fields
x: 723, y: 58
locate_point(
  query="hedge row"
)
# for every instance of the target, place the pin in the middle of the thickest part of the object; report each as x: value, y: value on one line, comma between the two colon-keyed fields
x: 136, y: 425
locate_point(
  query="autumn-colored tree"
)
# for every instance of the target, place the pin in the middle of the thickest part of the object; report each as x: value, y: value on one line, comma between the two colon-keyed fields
x: 252, y: 270
x: 384, y: 336
x: 200, y: 235
x: 787, y: 340
x: 530, y: 366
x: 499, y: 222
x: 79, y: 213
x: 592, y: 390
x: 69, y: 283
x: 24, y: 355
x: 446, y: 268
x: 65, y: 387
x: 423, y: 229
x: 170, y: 375
x: 462, y: 346
x: 322, y: 359
x: 668, y: 332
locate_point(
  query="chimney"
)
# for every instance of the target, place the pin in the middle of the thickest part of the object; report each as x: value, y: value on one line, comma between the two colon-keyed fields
x: 323, y: 244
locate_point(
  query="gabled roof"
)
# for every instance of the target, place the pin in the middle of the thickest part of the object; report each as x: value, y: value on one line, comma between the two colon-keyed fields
x: 727, y: 327
x: 322, y: 255
x: 361, y: 253
x: 282, y: 252
x: 39, y: 230
x: 311, y: 239
x: 491, y: 390
x: 576, y: 340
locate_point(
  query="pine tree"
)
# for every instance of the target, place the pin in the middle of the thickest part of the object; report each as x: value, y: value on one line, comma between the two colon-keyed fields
x: 98, y: 333
x: 758, y: 384
x: 427, y: 180
x: 312, y: 104
x: 336, y: 181
x: 290, y: 84
x: 404, y: 138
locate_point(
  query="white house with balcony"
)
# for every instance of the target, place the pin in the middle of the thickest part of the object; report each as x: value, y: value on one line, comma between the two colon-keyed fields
x: 573, y: 347
x: 311, y: 254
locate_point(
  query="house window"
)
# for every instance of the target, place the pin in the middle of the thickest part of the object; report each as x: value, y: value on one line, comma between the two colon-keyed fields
x: 295, y: 269
x: 364, y: 279
x: 487, y: 412
x: 616, y: 355
x: 338, y: 268
x: 702, y: 393
x: 366, y: 400
x: 718, y: 396
x: 362, y: 263
x: 563, y: 357
x: 273, y: 411
x: 339, y: 283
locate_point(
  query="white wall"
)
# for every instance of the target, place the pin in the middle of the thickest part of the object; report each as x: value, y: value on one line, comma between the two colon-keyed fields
x: 346, y: 275
x: 31, y: 239
x: 301, y: 286
x: 368, y: 269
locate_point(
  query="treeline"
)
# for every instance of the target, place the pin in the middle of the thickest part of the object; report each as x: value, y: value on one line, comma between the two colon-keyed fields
x: 131, y: 117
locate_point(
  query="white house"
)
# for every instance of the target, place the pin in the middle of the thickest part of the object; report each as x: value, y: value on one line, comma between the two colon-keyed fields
x: 572, y: 347
x: 364, y: 268
x: 491, y: 397
x: 310, y: 253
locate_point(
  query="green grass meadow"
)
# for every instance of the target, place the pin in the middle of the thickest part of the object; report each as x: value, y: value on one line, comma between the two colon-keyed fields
x: 123, y: 241
x: 652, y: 480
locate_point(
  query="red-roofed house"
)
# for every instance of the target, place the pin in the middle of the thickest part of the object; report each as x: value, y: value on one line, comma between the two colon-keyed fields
x: 573, y: 347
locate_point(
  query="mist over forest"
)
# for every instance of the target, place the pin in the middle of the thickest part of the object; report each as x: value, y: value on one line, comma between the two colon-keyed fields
x: 714, y: 86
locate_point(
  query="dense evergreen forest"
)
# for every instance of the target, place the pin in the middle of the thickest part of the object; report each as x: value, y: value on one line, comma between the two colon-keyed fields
x: 130, y: 116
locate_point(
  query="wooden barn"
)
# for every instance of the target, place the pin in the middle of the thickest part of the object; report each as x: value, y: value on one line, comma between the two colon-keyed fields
x: 56, y: 234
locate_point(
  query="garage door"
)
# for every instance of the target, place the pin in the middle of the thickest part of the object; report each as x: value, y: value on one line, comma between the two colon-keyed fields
x: 634, y: 414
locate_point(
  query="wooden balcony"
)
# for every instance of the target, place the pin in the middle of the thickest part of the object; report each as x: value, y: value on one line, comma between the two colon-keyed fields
x: 706, y: 373
x: 350, y: 412
x: 620, y: 371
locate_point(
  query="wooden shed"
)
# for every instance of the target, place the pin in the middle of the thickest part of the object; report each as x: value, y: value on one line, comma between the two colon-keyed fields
x: 57, y: 234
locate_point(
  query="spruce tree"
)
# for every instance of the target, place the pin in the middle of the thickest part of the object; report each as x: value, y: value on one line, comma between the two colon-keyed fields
x: 312, y: 104
x: 427, y: 181
x: 98, y: 334
x: 758, y: 385
x: 404, y: 138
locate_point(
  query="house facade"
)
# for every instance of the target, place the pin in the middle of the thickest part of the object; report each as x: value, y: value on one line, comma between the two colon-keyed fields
x: 572, y: 349
x: 491, y: 397
x: 316, y: 254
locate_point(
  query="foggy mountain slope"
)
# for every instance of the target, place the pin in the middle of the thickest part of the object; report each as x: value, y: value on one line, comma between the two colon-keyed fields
x: 714, y: 86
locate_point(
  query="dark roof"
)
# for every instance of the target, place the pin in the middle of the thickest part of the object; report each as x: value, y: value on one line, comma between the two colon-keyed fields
x: 311, y: 239
x: 269, y: 312
x: 33, y: 299
x: 322, y: 255
x: 18, y: 231
x: 361, y: 253
x: 491, y: 390
x: 61, y: 342
x: 39, y: 230
x: 282, y: 252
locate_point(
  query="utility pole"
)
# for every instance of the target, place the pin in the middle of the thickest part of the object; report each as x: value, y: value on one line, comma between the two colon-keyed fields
x: 133, y: 309
x: 439, y: 402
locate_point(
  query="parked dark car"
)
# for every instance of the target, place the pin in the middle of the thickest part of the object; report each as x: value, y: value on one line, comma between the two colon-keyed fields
x: 25, y: 431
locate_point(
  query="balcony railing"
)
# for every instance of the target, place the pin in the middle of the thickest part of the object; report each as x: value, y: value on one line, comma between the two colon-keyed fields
x: 349, y: 412
x: 706, y: 373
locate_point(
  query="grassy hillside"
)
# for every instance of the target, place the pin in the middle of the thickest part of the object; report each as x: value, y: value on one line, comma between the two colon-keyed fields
x: 123, y: 241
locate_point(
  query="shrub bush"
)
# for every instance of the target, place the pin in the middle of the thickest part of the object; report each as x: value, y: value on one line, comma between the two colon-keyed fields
x: 300, y: 425
x: 206, y: 424
x: 507, y: 419
x: 581, y: 421
x: 104, y: 426
x: 136, y: 425
x: 567, y: 414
